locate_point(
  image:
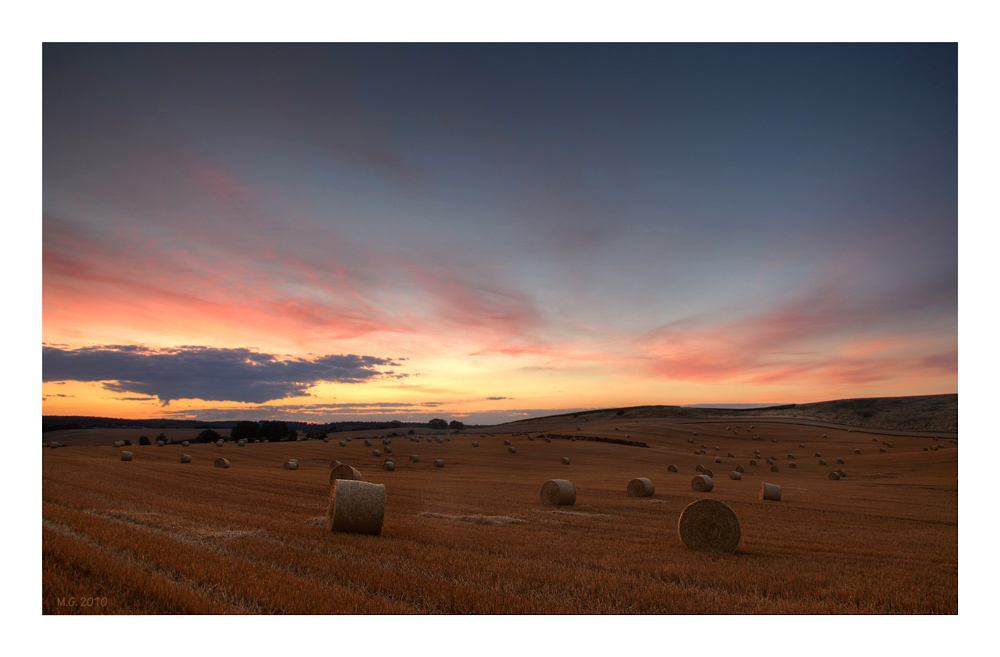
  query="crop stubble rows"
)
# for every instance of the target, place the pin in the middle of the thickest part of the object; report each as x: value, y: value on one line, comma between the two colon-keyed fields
x: 157, y: 536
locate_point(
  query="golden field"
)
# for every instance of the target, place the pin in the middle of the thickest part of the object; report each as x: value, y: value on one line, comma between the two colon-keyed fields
x: 154, y: 536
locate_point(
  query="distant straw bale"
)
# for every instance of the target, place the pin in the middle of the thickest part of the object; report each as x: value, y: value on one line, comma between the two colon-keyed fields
x: 475, y: 444
x: 389, y: 465
x: 774, y: 468
x: 388, y: 449
x: 221, y: 463
x: 219, y: 443
x: 671, y: 468
x: 565, y: 460
x: 708, y: 473
x: 126, y: 456
x: 334, y: 464
x: 736, y: 475
x: 291, y: 464
x: 342, y: 443
x: 791, y: 457
x: 709, y: 525
x: 818, y: 455
x: 512, y: 449
x: 834, y: 475
x: 841, y: 473
x: 822, y: 461
x: 840, y: 461
x: 925, y: 449
x: 857, y: 451
x: 792, y: 465
x: 753, y: 462
x: 356, y: 507
x: 881, y: 449
x: 770, y: 492
x: 185, y: 458
x: 344, y: 471
x: 702, y: 484
x: 185, y: 444
x: 717, y: 448
x: 506, y: 442
x: 640, y: 487
x: 699, y: 468
x: 718, y: 459
x: 438, y: 463
x: 376, y: 453
x: 368, y: 443
x: 739, y: 469
x: 558, y: 492
x: 801, y: 446
x: 731, y: 455
x: 414, y: 458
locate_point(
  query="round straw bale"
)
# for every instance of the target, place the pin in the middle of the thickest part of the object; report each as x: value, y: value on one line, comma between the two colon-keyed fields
x: 736, y: 475
x: 342, y: 443
x: 512, y: 449
x: 506, y: 442
x: 221, y: 463
x: 640, y: 487
x: 348, y: 439
x: 834, y: 475
x: 818, y: 455
x: 241, y: 443
x: 531, y: 438
x: 770, y: 492
x: 389, y: 465
x: 791, y: 457
x: 717, y: 448
x: 857, y: 451
x: 702, y: 484
x: 438, y: 463
x: 448, y: 438
x: 699, y: 468
x: 727, y: 428
x: 769, y: 461
x: 697, y: 451
x: 671, y: 468
x: 547, y: 439
x: 475, y: 444
x: 774, y: 468
x: 731, y: 455
x: 926, y: 449
x: 386, y: 441
x: 740, y: 469
x: 126, y: 456
x: 368, y: 443
x: 753, y: 462
x: 881, y: 449
x: 792, y: 465
x: 558, y: 492
x: 801, y: 446
x: 565, y: 460
x: 703, y: 451
x: 185, y: 458
x: 874, y: 440
x: 356, y: 507
x: 291, y: 464
x: 388, y: 449
x: 219, y: 443
x: 429, y: 439
x: 161, y: 443
x: 822, y: 461
x: 690, y: 440
x: 841, y: 473
x: 703, y: 445
x: 414, y: 458
x: 334, y: 464
x: 185, y: 444
x: 709, y: 526
x: 344, y: 471
x: 376, y: 452
x: 708, y: 473
x: 718, y: 459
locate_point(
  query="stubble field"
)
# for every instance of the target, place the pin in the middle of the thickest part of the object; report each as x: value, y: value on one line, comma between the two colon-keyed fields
x: 155, y: 536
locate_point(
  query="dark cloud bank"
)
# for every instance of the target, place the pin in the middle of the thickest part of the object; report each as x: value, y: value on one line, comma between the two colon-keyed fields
x: 207, y: 373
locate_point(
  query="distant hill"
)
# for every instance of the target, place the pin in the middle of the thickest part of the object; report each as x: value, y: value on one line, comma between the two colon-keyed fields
x: 917, y: 413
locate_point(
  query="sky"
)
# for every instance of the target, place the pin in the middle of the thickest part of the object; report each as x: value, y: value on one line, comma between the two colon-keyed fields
x: 486, y: 232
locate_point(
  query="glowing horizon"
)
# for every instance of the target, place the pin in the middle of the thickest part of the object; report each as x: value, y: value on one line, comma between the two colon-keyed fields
x: 488, y: 230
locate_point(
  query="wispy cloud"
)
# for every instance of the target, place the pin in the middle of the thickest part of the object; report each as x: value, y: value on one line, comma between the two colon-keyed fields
x: 206, y: 373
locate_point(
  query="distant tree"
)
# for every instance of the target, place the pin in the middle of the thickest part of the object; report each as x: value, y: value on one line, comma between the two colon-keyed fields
x: 395, y: 424
x: 245, y: 430
x: 143, y: 440
x: 276, y: 430
x: 437, y: 424
x: 128, y: 442
x: 410, y: 432
x: 316, y: 435
x: 620, y: 413
x: 456, y: 425
x: 208, y: 436
x: 162, y: 437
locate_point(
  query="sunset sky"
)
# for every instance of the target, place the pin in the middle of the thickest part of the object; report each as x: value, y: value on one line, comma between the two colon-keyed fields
x: 487, y: 232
